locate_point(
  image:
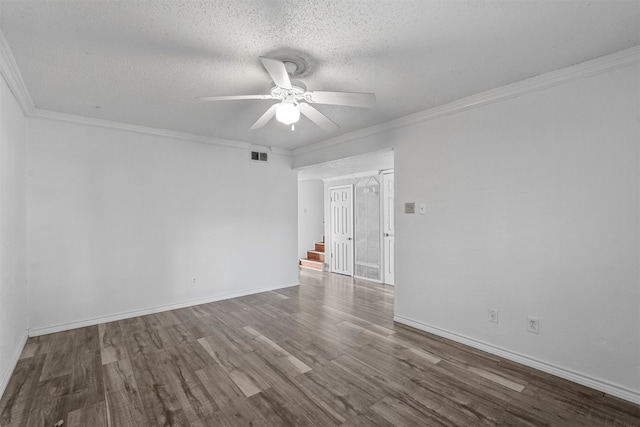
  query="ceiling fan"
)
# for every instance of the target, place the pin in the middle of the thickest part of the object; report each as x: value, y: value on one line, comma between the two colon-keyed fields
x: 295, y: 99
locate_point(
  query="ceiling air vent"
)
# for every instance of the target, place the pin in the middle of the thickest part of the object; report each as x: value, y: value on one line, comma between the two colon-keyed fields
x: 258, y: 156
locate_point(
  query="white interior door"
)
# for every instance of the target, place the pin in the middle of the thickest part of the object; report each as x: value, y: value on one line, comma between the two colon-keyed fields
x: 342, y: 229
x: 388, y: 230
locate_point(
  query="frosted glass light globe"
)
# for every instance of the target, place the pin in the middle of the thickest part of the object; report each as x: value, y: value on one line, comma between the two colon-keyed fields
x: 287, y: 113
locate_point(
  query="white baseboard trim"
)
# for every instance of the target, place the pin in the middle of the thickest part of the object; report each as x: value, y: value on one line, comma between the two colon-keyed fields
x: 6, y: 376
x: 367, y: 279
x: 597, y: 384
x: 149, y: 310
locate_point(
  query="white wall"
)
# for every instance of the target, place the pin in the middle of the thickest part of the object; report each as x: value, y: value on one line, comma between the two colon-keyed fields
x: 13, y: 289
x: 532, y: 208
x: 121, y: 222
x: 310, y: 214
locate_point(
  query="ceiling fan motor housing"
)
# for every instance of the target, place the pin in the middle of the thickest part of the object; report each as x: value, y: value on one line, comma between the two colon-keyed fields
x: 297, y: 91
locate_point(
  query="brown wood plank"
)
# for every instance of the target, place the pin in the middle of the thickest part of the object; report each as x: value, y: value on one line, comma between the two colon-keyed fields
x: 243, y: 375
x: 36, y: 346
x: 124, y: 407
x: 112, y: 348
x: 338, y: 391
x: 221, y: 388
x: 49, y: 401
x: 19, y: 394
x: 292, y: 392
x: 193, y: 397
x: 87, y: 387
x: 59, y: 360
x: 239, y: 413
x: 287, y: 363
x: 273, y: 407
x: 93, y: 415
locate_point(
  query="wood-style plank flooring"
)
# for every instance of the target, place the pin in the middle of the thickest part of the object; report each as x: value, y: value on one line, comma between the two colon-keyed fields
x: 325, y: 353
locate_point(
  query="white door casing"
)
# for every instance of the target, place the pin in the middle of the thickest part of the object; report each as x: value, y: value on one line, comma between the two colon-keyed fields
x: 388, y: 229
x: 341, y: 205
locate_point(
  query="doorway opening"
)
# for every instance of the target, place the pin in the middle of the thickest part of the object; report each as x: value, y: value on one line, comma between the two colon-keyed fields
x: 358, y: 215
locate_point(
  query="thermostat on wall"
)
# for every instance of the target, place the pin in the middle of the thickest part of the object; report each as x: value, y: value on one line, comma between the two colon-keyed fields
x: 410, y: 208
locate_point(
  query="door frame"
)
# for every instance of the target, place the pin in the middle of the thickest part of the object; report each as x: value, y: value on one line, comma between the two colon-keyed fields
x: 383, y: 263
x: 353, y: 242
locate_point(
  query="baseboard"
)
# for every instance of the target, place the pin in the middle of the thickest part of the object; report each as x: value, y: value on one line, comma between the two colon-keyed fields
x: 6, y: 376
x: 149, y: 310
x: 597, y: 384
x: 367, y: 279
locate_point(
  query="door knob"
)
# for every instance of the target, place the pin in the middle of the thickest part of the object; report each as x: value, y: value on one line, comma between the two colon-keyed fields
x: 349, y: 238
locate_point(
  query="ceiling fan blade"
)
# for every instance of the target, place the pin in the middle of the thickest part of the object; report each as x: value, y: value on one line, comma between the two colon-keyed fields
x: 264, y: 119
x: 277, y: 71
x: 349, y: 99
x: 232, y: 97
x: 318, y: 118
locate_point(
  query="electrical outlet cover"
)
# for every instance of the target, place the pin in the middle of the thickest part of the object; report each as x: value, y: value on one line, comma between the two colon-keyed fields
x: 493, y: 315
x: 533, y: 325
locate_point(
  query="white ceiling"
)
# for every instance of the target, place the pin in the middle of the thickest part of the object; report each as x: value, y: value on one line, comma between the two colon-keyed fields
x: 144, y: 62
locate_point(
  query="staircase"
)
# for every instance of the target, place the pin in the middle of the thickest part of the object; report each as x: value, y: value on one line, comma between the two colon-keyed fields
x: 315, y: 258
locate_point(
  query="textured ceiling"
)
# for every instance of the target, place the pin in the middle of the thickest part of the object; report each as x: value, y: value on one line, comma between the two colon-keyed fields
x: 144, y: 62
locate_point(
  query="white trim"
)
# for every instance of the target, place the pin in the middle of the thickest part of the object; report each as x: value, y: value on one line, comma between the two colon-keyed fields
x: 367, y: 279
x: 356, y: 175
x: 312, y: 269
x: 590, y: 68
x: 269, y: 149
x: 11, y: 73
x: 128, y: 314
x: 12, y: 366
x: 183, y: 136
x: 576, y: 377
x: 88, y: 121
x: 383, y: 252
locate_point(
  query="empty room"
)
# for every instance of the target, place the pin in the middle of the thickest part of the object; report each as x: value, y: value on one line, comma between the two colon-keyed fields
x: 319, y: 213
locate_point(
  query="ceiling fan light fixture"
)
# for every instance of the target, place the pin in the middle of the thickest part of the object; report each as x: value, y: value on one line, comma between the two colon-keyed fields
x: 288, y: 113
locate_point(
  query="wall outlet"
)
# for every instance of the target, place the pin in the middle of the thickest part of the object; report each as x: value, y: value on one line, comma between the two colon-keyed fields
x: 493, y: 315
x: 193, y: 281
x: 533, y: 325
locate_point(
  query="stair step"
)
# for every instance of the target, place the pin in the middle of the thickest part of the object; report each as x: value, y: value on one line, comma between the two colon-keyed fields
x: 315, y: 255
x: 312, y: 264
x: 319, y: 246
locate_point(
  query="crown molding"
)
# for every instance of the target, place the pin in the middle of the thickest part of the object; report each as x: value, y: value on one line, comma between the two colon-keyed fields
x: 165, y: 133
x: 11, y: 73
x: 273, y: 150
x: 88, y: 121
x: 582, y: 70
x: 356, y: 175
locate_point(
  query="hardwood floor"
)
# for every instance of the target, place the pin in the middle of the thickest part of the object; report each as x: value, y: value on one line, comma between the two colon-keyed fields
x: 325, y: 353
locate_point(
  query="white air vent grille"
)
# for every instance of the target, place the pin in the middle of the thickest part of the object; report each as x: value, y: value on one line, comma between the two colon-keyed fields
x: 258, y: 156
